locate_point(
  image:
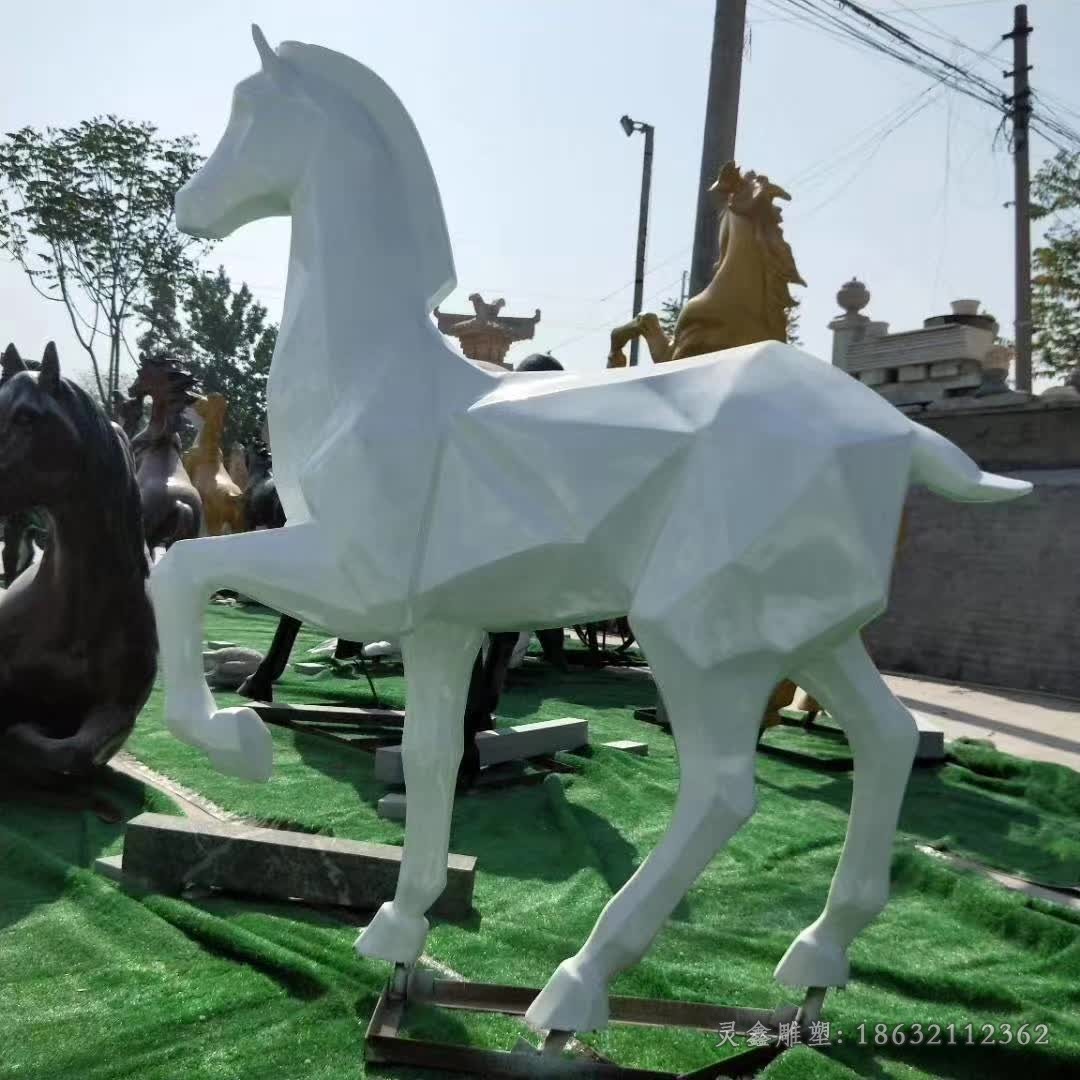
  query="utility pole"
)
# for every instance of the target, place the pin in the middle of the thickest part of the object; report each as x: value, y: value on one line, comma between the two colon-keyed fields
x: 721, y: 119
x: 630, y: 126
x: 1020, y: 111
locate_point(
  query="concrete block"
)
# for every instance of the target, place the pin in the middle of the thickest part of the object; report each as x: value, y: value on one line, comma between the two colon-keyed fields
x: 170, y: 853
x: 931, y: 739
x: 500, y: 745
x: 628, y: 746
x: 392, y: 806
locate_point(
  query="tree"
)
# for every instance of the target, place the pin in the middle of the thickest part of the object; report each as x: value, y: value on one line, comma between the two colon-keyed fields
x: 230, y: 344
x: 87, y: 212
x: 163, y: 331
x: 669, y: 316
x: 1056, y: 266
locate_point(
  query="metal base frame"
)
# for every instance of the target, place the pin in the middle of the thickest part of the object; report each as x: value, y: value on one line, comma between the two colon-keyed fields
x: 385, y: 1044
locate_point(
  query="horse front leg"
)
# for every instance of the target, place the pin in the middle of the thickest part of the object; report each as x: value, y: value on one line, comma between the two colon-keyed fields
x: 438, y: 658
x: 290, y: 569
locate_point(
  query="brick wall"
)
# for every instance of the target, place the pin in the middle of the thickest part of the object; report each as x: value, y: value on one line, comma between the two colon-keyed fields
x: 989, y: 593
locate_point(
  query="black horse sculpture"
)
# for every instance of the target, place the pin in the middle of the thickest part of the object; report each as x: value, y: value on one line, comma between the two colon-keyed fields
x: 261, y: 503
x: 171, y: 507
x: 78, y: 646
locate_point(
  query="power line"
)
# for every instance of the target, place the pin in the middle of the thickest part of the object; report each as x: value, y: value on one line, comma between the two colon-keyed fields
x: 883, y: 37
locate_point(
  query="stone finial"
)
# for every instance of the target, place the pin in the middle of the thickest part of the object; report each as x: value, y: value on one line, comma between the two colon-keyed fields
x: 966, y: 306
x: 853, y: 296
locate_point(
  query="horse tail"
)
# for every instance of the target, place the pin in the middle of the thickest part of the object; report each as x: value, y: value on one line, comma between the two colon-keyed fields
x: 946, y: 470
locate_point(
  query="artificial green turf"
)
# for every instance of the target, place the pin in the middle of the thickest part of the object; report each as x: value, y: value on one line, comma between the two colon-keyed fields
x: 950, y: 948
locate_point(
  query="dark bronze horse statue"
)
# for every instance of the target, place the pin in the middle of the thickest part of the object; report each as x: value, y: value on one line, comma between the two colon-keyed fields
x: 261, y: 503
x: 172, y: 509
x: 78, y: 646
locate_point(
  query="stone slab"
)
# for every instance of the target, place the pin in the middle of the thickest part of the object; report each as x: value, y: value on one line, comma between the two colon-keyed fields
x: 392, y: 806
x: 501, y: 745
x: 279, y: 712
x: 629, y: 746
x: 170, y: 853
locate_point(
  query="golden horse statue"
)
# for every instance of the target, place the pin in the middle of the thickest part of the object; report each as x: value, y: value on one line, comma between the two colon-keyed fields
x: 223, y: 501
x: 746, y: 301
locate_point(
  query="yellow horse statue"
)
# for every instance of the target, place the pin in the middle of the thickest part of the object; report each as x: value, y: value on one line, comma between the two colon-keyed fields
x: 223, y: 501
x: 746, y: 301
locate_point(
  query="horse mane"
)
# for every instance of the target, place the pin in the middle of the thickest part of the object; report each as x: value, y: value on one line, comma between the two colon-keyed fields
x: 108, y: 458
x: 364, y: 89
x: 780, y: 269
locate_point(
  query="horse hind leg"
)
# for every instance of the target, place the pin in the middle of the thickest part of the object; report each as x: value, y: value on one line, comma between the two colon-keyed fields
x: 259, y: 685
x: 714, y: 719
x: 883, y: 738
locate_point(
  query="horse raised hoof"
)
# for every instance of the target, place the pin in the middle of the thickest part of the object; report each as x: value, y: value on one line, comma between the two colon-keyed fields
x: 392, y: 935
x: 241, y: 744
x: 571, y: 1001
x: 813, y: 960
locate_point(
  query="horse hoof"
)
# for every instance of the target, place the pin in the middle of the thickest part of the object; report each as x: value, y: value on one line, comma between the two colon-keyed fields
x: 813, y: 960
x: 242, y: 745
x: 393, y: 936
x: 571, y: 1001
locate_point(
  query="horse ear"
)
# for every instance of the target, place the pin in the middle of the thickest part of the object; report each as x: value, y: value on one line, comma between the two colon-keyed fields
x: 49, y: 379
x: 11, y: 363
x: 272, y: 64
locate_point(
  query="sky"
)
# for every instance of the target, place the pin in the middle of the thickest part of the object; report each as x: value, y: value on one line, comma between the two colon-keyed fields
x: 518, y: 103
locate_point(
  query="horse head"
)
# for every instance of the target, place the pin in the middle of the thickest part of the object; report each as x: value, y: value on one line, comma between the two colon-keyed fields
x: 170, y: 390
x: 294, y: 124
x: 210, y: 409
x: 55, y: 438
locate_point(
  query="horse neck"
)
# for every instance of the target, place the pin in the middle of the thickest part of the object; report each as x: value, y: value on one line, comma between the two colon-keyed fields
x: 91, y: 549
x: 352, y: 300
x: 741, y: 268
x: 208, y: 444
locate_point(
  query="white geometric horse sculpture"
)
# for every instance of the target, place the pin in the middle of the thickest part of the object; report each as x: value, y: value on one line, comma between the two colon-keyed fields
x: 746, y: 520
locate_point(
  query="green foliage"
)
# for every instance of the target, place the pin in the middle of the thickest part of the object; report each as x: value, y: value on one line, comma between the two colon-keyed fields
x: 793, y: 322
x: 669, y: 315
x: 229, y: 344
x: 1056, y: 266
x: 87, y: 212
x: 163, y: 332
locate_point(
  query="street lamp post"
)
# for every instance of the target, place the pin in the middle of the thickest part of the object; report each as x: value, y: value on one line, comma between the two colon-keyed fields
x: 630, y: 126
